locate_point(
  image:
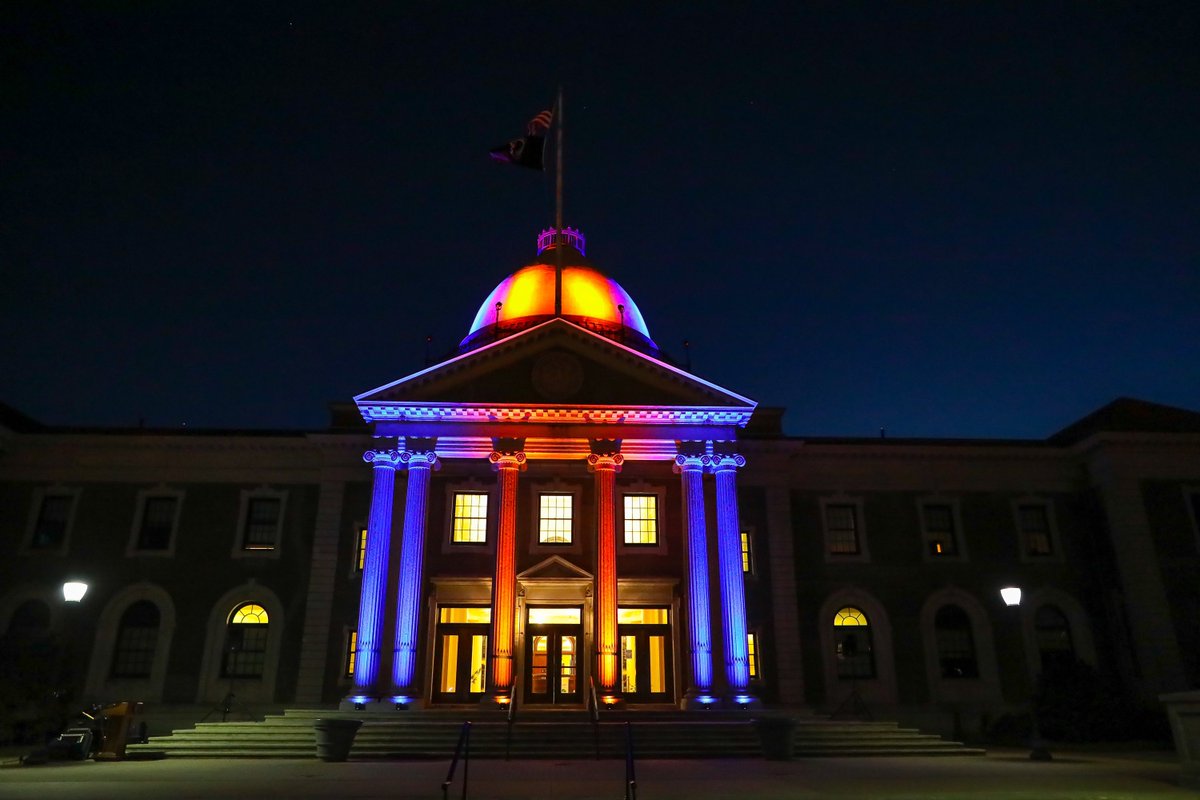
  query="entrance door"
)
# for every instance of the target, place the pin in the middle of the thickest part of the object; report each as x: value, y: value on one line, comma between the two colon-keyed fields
x: 460, y: 662
x: 553, y: 640
x: 645, y: 639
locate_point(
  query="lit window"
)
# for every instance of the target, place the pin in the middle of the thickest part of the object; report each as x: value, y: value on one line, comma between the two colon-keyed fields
x: 158, y: 522
x: 941, y: 535
x: 261, y: 530
x: 747, y: 553
x: 641, y: 616
x: 641, y: 519
x: 137, y: 637
x: 1034, y: 519
x: 361, y: 551
x: 245, y: 653
x: 852, y: 643
x: 54, y: 514
x: 955, y: 643
x: 752, y: 653
x: 841, y: 529
x: 465, y: 615
x: 554, y: 518
x: 470, y: 518
x: 351, y: 646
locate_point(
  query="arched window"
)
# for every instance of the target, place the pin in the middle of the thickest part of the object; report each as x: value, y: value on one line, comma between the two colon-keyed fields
x: 955, y: 643
x: 1053, y: 637
x: 245, y: 642
x: 137, y: 637
x: 852, y: 638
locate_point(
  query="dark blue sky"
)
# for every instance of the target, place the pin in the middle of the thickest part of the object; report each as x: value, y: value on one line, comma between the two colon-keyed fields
x: 949, y: 219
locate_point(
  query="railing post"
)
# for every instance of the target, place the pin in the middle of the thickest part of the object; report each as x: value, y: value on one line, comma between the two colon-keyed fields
x: 630, y: 770
x: 464, y: 747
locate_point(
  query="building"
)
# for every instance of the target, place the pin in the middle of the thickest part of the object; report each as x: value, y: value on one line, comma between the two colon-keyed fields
x: 558, y: 512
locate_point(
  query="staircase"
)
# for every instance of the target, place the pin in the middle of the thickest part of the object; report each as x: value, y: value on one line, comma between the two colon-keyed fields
x: 538, y: 734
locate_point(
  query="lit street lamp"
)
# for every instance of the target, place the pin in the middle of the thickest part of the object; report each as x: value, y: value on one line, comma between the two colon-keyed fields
x: 73, y: 591
x: 1038, y: 751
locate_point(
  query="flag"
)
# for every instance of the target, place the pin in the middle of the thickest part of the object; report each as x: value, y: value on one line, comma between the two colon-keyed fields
x: 528, y: 150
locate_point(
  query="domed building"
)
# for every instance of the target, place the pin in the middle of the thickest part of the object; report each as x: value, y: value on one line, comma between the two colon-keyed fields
x: 558, y: 513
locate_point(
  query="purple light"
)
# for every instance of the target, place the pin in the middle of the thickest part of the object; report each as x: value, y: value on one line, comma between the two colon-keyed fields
x: 374, y: 579
x: 691, y: 467
x: 571, y: 236
x: 412, y: 555
x: 729, y: 560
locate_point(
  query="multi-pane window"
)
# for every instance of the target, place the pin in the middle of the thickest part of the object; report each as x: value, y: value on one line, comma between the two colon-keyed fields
x: 245, y: 654
x: 1034, y: 519
x: 555, y: 518
x: 747, y: 553
x: 261, y: 528
x: 351, y: 646
x: 50, y: 529
x: 1053, y: 637
x: 841, y: 527
x: 752, y: 653
x: 955, y: 643
x: 137, y: 637
x: 470, y: 518
x: 360, y: 550
x: 641, y: 519
x: 158, y: 522
x: 852, y: 644
x: 941, y: 537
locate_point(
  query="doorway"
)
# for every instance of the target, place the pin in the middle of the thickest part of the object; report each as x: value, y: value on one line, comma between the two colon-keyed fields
x: 553, y: 641
x: 645, y: 655
x: 460, y: 661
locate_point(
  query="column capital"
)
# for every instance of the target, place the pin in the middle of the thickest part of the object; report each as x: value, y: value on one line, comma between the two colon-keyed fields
x: 419, y: 458
x: 599, y: 463
x: 685, y: 462
x: 513, y: 460
x: 382, y: 458
x: 724, y: 462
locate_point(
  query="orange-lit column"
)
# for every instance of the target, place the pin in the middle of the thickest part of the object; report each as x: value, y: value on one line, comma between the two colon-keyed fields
x: 605, y: 468
x: 504, y: 584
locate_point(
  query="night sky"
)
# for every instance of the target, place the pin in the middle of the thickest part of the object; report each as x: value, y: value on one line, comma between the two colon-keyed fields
x: 947, y: 219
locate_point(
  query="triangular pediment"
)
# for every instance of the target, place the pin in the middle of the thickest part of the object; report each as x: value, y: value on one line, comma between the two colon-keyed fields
x: 555, y: 568
x: 557, y: 363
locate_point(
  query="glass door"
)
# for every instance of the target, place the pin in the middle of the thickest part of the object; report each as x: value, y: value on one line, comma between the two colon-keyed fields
x: 460, y: 661
x: 645, y: 655
x: 553, y: 639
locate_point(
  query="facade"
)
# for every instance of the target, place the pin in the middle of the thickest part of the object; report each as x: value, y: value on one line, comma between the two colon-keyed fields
x: 559, y: 513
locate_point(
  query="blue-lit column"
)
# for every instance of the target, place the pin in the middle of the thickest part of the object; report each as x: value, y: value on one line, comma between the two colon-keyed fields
x: 412, y: 560
x: 733, y: 586
x: 374, y: 576
x: 691, y: 470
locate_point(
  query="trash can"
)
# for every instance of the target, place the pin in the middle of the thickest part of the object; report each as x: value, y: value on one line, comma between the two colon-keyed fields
x: 776, y: 736
x: 335, y: 737
x: 117, y: 720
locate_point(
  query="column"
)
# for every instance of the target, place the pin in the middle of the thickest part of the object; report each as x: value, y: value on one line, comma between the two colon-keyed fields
x: 733, y: 586
x: 504, y: 584
x: 691, y: 470
x: 605, y: 468
x: 374, y: 575
x: 410, y: 583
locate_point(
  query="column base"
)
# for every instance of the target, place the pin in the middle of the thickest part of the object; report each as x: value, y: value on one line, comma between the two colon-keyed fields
x: 741, y: 702
x: 380, y: 705
x: 700, y: 701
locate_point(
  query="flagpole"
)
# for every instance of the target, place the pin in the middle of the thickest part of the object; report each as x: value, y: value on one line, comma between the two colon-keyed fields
x: 558, y: 206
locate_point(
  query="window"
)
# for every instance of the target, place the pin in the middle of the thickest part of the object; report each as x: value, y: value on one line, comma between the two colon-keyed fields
x: 955, y: 643
x: 852, y: 638
x: 940, y: 530
x: 360, y: 550
x: 470, y: 518
x: 841, y: 529
x: 1053, y: 633
x: 747, y: 553
x: 555, y: 518
x: 1033, y: 521
x: 752, y: 652
x: 641, y: 519
x: 137, y: 637
x: 260, y: 530
x: 245, y: 652
x: 52, y: 521
x: 157, y: 522
x: 351, y: 646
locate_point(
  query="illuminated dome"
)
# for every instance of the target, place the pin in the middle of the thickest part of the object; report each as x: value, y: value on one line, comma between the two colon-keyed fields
x: 589, y: 298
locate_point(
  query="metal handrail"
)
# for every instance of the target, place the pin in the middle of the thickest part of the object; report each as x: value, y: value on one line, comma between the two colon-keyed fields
x: 512, y: 717
x: 594, y: 711
x: 630, y: 771
x: 464, y: 748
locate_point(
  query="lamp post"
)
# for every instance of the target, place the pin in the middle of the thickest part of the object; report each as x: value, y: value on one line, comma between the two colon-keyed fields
x: 73, y: 592
x: 1037, y: 748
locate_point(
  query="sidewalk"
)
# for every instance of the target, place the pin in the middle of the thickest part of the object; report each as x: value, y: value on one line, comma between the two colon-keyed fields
x: 1001, y: 775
